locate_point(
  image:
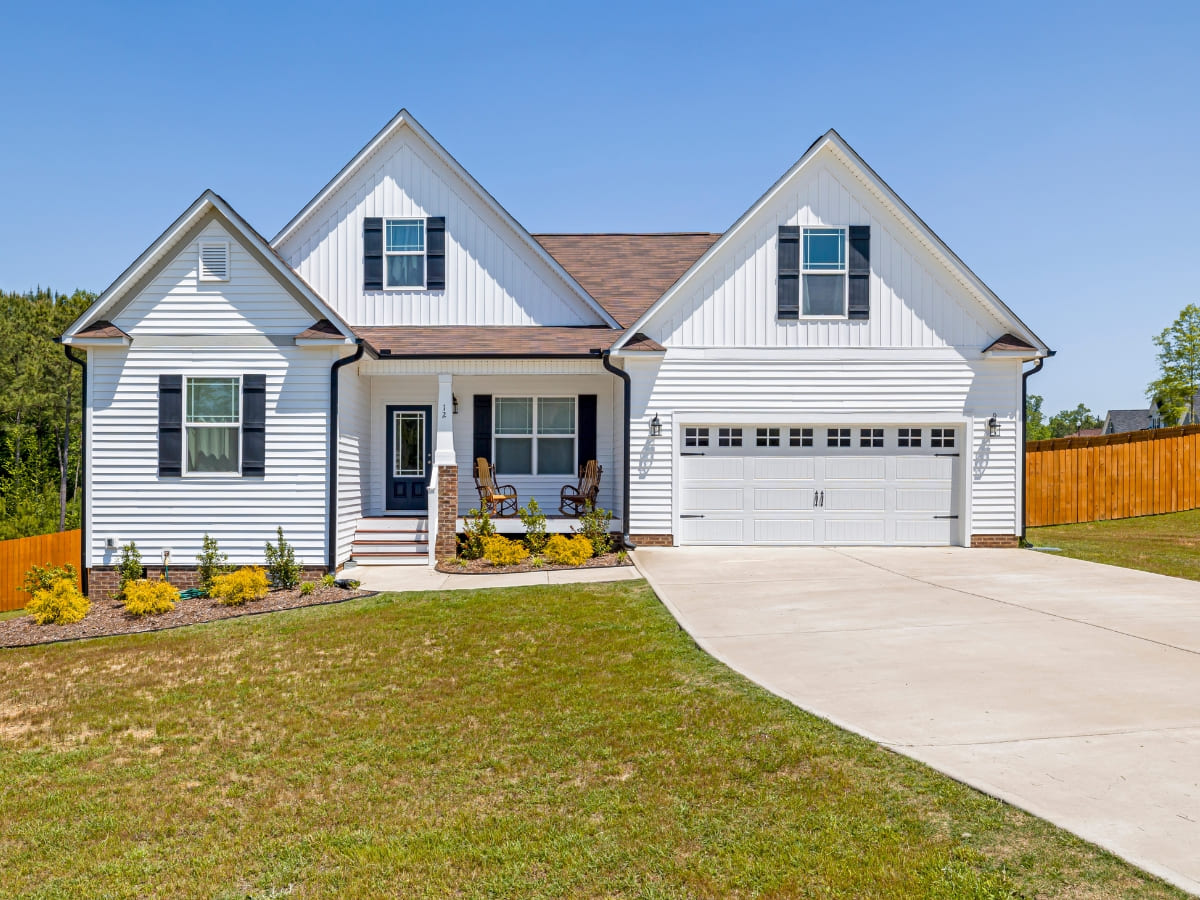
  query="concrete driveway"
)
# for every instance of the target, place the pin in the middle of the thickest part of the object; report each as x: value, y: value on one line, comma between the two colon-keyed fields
x: 1067, y: 688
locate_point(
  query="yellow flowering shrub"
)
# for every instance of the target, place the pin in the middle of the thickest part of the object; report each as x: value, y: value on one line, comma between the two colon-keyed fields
x: 500, y: 551
x: 568, y: 551
x: 59, y: 604
x: 149, y: 598
x: 234, y: 589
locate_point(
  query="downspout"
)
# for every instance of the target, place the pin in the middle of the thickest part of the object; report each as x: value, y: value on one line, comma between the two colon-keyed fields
x: 1041, y: 361
x: 331, y: 486
x: 625, y: 516
x: 83, y: 401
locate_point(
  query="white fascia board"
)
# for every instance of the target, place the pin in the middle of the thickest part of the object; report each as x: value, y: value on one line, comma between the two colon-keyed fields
x: 405, y: 118
x: 97, y: 342
x: 1014, y: 354
x: 884, y: 194
x: 322, y: 342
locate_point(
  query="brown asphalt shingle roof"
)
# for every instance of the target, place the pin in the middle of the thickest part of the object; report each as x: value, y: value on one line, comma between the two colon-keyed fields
x: 458, y: 341
x: 101, y: 329
x: 1008, y: 342
x: 322, y: 329
x: 626, y: 273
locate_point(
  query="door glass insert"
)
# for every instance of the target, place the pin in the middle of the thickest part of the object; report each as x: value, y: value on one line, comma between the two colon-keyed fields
x: 409, y: 459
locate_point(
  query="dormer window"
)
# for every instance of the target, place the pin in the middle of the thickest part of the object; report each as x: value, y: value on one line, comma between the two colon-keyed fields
x: 824, y: 272
x: 404, y: 253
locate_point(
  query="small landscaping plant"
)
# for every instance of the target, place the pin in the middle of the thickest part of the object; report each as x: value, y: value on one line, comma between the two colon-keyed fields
x: 130, y: 567
x: 596, y: 526
x: 328, y: 580
x: 211, y: 562
x: 568, y: 551
x: 534, y: 521
x: 236, y: 588
x: 59, y: 604
x: 149, y: 598
x: 281, y: 563
x: 500, y: 551
x: 307, y: 588
x: 477, y: 528
x: 42, y: 578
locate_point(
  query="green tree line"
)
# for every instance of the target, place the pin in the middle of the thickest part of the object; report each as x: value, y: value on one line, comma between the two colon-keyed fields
x: 39, y: 414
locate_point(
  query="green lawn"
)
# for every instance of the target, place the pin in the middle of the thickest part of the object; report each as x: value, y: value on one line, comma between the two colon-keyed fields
x: 11, y: 614
x: 526, y: 742
x: 1168, y: 544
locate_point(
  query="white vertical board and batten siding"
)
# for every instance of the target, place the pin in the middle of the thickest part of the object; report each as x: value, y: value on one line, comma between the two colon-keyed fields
x: 491, y: 278
x: 355, y: 472
x: 916, y: 301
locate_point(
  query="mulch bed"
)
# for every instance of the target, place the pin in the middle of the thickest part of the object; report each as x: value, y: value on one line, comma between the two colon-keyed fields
x: 483, y: 567
x: 108, y: 617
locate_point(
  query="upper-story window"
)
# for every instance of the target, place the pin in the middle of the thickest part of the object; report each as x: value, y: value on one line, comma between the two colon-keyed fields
x: 213, y: 425
x: 824, y: 272
x: 404, y: 253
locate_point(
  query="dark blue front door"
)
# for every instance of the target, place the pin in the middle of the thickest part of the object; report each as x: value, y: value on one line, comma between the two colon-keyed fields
x: 409, y: 456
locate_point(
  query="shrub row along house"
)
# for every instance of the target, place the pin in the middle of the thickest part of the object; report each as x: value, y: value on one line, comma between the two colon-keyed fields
x: 827, y: 371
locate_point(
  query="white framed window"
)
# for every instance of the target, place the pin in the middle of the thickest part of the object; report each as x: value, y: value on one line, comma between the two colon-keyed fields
x: 729, y: 437
x: 766, y: 437
x: 695, y: 437
x: 212, y: 425
x: 870, y: 437
x: 213, y: 264
x: 909, y: 437
x: 534, y: 435
x: 800, y: 437
x: 837, y: 437
x: 823, y: 273
x: 404, y: 254
x: 941, y: 437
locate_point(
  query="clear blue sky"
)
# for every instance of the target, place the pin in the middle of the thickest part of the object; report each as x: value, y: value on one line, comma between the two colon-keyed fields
x: 1054, y: 147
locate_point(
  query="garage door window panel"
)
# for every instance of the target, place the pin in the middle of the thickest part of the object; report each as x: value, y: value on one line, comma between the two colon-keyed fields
x: 837, y: 437
x: 729, y: 437
x: 941, y: 437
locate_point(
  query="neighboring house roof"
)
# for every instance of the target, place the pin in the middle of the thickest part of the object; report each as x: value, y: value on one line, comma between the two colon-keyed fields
x: 404, y: 119
x: 1120, y: 420
x: 626, y: 273
x: 493, y: 341
x: 880, y: 189
x: 207, y: 207
x: 1089, y: 432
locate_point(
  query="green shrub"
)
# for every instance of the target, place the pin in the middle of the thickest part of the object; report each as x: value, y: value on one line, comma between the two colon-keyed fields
x: 281, y: 563
x: 211, y: 562
x: 42, y: 578
x: 568, y: 551
x: 596, y: 526
x: 307, y: 588
x: 477, y: 528
x: 59, y: 604
x: 351, y: 584
x: 500, y: 551
x: 328, y: 580
x: 622, y: 556
x: 149, y: 598
x: 235, y: 588
x: 130, y: 567
x: 534, y: 521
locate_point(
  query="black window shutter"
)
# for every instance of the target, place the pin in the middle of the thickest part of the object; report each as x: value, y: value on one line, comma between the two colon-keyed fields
x: 788, y: 276
x: 859, y: 272
x: 435, y: 253
x: 586, y: 427
x: 373, y: 254
x: 483, y: 427
x: 170, y: 425
x: 254, y: 425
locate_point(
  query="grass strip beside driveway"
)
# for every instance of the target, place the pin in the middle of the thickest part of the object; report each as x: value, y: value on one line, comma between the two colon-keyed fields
x: 1168, y: 544
x: 523, y: 742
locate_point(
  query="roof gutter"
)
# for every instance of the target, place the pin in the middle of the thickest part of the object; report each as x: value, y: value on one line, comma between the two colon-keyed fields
x: 83, y: 473
x: 624, y: 376
x: 331, y: 485
x: 1041, y: 361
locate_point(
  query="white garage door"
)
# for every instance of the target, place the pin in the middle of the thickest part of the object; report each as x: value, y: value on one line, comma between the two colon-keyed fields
x: 815, y: 484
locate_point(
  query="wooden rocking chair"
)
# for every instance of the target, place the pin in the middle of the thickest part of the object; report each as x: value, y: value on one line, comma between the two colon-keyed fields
x: 497, y: 499
x: 575, y: 499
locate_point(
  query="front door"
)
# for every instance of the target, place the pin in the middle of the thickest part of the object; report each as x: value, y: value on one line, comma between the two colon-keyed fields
x: 409, y: 456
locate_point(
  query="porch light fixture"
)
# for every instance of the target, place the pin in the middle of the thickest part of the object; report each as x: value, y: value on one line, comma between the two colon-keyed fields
x: 993, y: 426
x: 655, y: 426
x: 455, y: 403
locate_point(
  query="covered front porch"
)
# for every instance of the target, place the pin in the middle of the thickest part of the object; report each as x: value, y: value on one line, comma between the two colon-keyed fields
x: 410, y: 431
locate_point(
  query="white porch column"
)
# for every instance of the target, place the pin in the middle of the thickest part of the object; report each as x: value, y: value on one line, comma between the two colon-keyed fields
x: 443, y: 448
x: 445, y: 512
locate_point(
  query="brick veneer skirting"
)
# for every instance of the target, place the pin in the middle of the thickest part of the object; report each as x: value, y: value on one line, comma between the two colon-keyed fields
x: 653, y: 540
x: 996, y: 541
x: 103, y: 580
x: 446, y: 543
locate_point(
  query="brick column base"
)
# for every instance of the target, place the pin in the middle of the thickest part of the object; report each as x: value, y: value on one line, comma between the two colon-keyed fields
x: 996, y: 541
x: 446, y: 543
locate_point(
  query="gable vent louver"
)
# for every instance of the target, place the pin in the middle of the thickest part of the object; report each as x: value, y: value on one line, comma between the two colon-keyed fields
x: 214, y: 261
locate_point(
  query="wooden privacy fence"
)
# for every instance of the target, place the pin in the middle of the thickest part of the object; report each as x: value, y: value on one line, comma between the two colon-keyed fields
x: 44, y: 550
x: 1113, y: 476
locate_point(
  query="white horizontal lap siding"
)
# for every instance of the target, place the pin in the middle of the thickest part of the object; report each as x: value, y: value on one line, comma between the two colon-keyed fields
x: 996, y: 459
x: 915, y: 300
x: 693, y: 389
x: 128, y: 499
x: 354, y: 456
x: 492, y: 278
x: 250, y: 302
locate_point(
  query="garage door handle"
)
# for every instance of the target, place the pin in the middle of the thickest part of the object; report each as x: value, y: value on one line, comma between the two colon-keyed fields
x: 693, y: 516
x: 945, y: 454
x: 945, y: 517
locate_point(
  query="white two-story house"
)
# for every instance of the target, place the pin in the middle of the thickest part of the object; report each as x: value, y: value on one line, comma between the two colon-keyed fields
x: 827, y: 371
